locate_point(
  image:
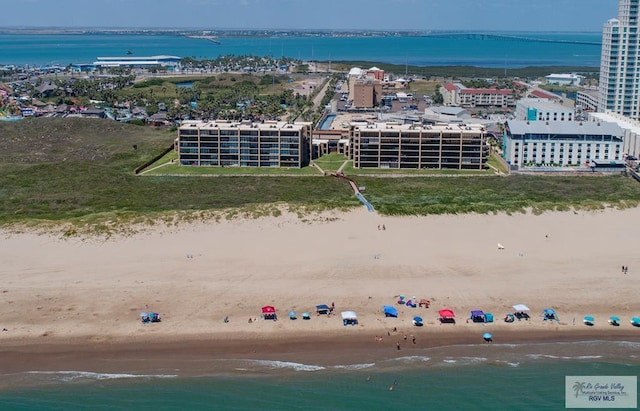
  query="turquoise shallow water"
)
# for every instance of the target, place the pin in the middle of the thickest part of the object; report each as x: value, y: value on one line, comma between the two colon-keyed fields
x: 508, y: 51
x: 477, y: 377
x: 470, y: 387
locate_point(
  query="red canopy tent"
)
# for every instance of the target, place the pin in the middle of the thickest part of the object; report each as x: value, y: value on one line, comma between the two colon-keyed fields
x: 447, y: 316
x: 269, y: 312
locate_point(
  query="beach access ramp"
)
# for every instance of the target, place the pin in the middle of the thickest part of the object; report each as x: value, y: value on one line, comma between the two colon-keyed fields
x: 356, y: 190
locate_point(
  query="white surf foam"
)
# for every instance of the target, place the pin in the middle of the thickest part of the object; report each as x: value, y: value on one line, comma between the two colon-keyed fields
x: 67, y: 376
x: 355, y: 366
x: 560, y: 357
x: 290, y: 365
x: 465, y: 360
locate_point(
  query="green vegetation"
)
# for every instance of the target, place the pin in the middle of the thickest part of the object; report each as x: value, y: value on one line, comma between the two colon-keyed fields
x: 81, y: 171
x: 389, y: 172
x: 494, y: 162
x: 331, y: 162
x: 177, y: 170
x: 466, y: 71
x: 415, y: 196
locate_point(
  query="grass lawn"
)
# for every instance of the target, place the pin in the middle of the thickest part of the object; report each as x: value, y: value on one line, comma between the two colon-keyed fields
x: 175, y: 170
x: 331, y: 162
x: 351, y: 171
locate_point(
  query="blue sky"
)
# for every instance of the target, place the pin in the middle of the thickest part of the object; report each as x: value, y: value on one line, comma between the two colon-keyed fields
x: 524, y: 15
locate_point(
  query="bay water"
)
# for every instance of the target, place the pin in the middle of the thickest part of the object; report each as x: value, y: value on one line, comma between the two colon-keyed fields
x: 501, y: 50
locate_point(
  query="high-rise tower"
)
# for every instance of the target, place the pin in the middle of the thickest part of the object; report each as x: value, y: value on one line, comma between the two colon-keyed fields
x: 619, y: 62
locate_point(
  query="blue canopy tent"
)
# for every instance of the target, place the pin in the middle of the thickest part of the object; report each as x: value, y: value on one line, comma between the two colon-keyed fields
x: 477, y: 316
x: 292, y: 315
x: 588, y: 320
x: 306, y: 316
x: 390, y: 311
x: 417, y: 321
x: 614, y: 320
x: 488, y: 317
x: 635, y: 321
x: 487, y: 337
x: 549, y: 315
x: 322, y: 309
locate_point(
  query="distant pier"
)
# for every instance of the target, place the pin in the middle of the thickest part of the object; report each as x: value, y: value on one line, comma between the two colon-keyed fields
x: 212, y: 39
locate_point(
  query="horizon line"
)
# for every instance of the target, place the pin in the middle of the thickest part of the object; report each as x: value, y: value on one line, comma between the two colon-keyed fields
x: 272, y: 29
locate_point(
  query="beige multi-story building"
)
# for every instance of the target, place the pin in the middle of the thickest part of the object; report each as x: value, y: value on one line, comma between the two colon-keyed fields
x: 365, y: 89
x: 458, y: 95
x: 396, y: 145
x: 244, y: 144
x: 366, y: 92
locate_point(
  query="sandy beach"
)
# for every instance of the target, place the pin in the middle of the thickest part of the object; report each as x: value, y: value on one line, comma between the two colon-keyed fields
x: 77, y: 301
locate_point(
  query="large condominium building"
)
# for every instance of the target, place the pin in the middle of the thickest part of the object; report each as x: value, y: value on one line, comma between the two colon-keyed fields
x: 244, y: 144
x: 564, y: 143
x: 619, y: 69
x: 396, y: 145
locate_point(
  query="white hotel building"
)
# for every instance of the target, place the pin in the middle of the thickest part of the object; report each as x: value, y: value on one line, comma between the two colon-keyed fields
x: 561, y: 143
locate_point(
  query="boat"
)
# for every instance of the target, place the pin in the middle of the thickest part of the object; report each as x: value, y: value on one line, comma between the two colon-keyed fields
x: 129, y: 52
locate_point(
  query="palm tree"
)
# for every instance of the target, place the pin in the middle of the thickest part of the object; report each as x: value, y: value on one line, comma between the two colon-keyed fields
x: 578, y: 387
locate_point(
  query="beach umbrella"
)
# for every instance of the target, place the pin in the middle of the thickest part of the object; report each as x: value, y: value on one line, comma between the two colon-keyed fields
x: 306, y: 316
x: 614, y: 320
x: 144, y: 314
x: 635, y: 321
x: 417, y: 319
x: 588, y: 320
x: 520, y: 307
x: 292, y: 313
x: 487, y: 337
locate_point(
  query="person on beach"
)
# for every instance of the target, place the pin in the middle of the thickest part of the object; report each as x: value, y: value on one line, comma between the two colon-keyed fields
x: 413, y: 339
x: 398, y: 345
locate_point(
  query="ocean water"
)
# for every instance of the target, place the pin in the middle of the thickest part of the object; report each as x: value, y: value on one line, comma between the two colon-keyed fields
x: 496, y: 377
x: 508, y: 49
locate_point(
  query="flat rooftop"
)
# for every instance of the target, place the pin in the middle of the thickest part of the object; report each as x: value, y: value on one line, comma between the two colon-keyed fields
x: 242, y: 125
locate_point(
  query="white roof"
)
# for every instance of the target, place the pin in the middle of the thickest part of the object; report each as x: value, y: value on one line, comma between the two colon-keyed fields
x: 624, y: 122
x: 355, y: 71
x: 564, y: 76
x: 349, y: 315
